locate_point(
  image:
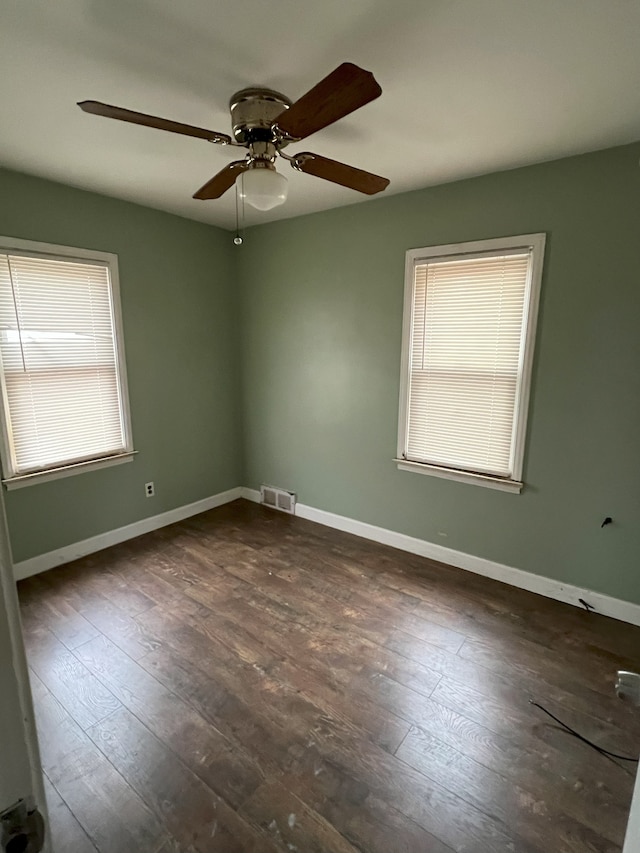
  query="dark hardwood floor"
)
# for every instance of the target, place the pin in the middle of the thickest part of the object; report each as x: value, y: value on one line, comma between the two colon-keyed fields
x: 248, y: 682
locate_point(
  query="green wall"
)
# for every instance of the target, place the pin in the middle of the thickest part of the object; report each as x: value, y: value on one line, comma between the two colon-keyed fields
x: 179, y: 304
x: 321, y: 327
x: 298, y: 374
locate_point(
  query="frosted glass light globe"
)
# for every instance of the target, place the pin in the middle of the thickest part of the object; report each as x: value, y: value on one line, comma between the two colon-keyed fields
x: 263, y: 188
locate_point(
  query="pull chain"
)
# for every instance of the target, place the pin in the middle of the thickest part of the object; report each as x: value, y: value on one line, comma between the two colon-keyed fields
x: 238, y: 239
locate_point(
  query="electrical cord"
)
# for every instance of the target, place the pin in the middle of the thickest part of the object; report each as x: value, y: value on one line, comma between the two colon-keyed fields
x: 595, y: 746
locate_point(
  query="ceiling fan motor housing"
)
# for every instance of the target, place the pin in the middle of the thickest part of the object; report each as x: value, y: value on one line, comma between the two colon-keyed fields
x: 253, y: 112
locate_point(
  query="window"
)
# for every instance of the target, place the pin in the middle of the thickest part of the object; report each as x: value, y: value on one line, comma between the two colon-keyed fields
x: 468, y: 335
x: 64, y: 390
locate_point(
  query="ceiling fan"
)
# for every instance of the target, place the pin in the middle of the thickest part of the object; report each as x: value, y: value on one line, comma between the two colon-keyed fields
x: 265, y: 122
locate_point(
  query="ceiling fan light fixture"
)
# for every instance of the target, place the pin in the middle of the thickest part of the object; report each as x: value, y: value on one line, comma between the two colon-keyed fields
x: 262, y: 187
x: 265, y: 122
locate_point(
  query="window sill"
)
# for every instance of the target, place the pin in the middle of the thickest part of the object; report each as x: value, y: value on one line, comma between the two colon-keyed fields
x: 22, y: 480
x: 487, y: 480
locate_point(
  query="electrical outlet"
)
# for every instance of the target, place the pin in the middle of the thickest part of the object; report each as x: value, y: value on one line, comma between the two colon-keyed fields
x: 149, y: 490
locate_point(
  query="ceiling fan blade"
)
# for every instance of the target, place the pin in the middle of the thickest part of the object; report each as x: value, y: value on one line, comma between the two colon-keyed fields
x: 344, y: 90
x: 339, y: 173
x: 224, y: 180
x: 108, y: 111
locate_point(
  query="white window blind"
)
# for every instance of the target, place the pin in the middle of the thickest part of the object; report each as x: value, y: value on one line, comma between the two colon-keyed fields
x: 61, y: 384
x: 467, y: 337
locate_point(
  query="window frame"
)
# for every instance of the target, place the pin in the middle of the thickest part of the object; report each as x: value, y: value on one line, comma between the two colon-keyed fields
x: 535, y: 243
x: 13, y: 480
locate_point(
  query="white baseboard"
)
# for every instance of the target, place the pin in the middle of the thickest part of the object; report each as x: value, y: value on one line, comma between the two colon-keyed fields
x: 43, y: 562
x: 605, y: 604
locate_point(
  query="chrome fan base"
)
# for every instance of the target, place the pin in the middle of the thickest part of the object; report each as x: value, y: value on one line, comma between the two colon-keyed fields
x: 253, y: 112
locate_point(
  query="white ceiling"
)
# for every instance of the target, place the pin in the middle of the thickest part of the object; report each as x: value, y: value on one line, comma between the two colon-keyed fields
x: 469, y: 87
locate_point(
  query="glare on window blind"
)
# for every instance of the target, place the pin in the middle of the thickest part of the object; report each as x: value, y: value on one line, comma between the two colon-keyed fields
x: 466, y: 343
x: 59, y: 362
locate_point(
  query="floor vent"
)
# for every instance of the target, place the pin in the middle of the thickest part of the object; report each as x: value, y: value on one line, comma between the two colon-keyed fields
x: 278, y: 499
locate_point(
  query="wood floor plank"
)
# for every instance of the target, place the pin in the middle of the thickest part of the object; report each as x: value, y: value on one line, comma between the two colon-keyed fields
x: 153, y: 586
x: 479, y: 607
x: 247, y: 674
x: 376, y: 827
x: 239, y: 714
x: 483, y: 606
x: 226, y: 769
x: 504, y: 675
x: 497, y: 608
x: 291, y: 823
x: 508, y: 711
x: 537, y: 757
x: 339, y: 645
x: 252, y: 681
x: 395, y: 610
x: 113, y: 586
x: 108, y: 809
x: 500, y: 797
x: 189, y: 809
x: 103, y: 614
x: 65, y: 831
x: 173, y: 565
x: 43, y: 608
x: 277, y: 743
x: 77, y: 690
x: 446, y: 815
x: 316, y: 605
x: 327, y: 673
x: 370, y: 617
x: 538, y: 661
